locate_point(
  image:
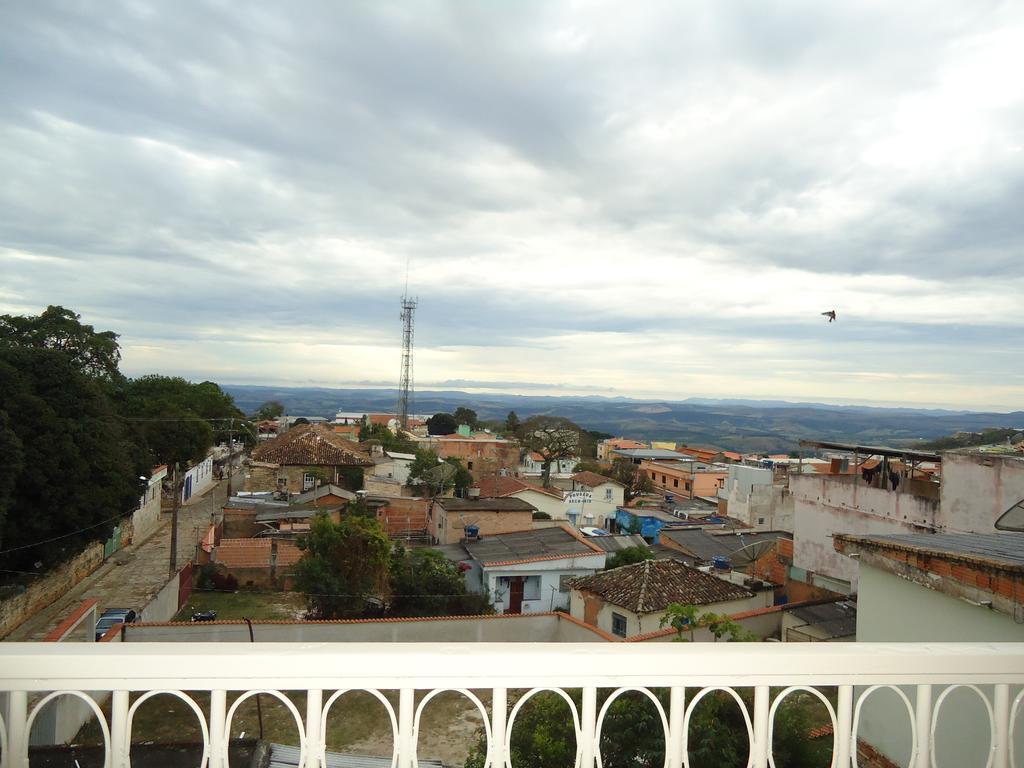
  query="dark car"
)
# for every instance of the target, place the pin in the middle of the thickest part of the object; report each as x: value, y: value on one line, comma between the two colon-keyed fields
x: 113, y: 617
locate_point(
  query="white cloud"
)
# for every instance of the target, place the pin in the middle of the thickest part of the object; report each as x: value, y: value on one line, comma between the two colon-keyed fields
x: 655, y: 202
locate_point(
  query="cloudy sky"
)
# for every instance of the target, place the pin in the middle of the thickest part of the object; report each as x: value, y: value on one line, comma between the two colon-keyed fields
x: 646, y: 199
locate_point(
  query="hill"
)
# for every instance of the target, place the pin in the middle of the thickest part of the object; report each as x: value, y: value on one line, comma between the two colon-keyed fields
x: 747, y: 425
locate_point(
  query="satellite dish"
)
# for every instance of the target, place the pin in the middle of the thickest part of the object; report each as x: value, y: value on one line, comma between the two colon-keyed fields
x: 746, y: 555
x: 440, y: 474
x: 1012, y: 519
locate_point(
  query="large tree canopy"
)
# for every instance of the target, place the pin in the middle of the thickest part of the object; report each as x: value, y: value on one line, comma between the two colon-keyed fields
x: 94, y: 353
x: 554, y: 438
x: 70, y: 468
x: 426, y: 583
x: 176, y: 421
x: 76, y: 436
x: 441, y: 424
x: 343, y: 564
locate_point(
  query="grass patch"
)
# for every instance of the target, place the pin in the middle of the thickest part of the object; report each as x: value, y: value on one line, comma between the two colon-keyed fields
x: 245, y: 604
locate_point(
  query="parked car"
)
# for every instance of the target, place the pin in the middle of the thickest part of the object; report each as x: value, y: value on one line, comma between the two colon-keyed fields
x: 112, y: 617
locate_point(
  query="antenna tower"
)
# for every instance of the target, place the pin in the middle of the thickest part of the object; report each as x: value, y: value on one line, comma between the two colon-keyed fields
x: 405, y: 383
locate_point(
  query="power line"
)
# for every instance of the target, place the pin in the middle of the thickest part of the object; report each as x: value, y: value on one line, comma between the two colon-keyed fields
x: 62, y: 536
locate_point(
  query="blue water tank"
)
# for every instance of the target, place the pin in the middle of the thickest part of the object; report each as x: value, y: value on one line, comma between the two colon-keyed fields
x: 669, y: 498
x: 714, y: 519
x: 721, y: 562
x: 472, y: 531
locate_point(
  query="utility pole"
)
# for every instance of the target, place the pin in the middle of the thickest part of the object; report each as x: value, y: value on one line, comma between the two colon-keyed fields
x: 174, y: 522
x: 231, y: 451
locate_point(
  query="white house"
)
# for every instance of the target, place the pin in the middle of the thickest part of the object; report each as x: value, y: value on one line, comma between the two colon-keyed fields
x: 533, y: 464
x: 594, y: 498
x: 633, y: 599
x: 547, y: 500
x: 393, y: 466
x: 530, y: 571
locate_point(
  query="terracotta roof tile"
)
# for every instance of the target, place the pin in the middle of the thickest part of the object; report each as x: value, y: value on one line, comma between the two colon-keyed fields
x: 592, y: 479
x: 497, y: 487
x: 312, y: 445
x: 653, y: 584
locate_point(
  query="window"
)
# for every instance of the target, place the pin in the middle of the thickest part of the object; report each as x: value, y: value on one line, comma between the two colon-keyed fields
x: 663, y: 481
x: 760, y: 521
x: 469, y: 465
x: 675, y: 482
x: 531, y: 588
x: 653, y: 476
x: 618, y: 624
x: 686, y: 485
x: 308, y: 480
x: 607, y: 494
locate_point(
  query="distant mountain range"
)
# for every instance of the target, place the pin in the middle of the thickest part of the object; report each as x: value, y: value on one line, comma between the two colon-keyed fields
x: 742, y: 425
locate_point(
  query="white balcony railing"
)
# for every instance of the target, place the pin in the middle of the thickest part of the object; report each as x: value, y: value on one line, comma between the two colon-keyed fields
x: 326, y: 670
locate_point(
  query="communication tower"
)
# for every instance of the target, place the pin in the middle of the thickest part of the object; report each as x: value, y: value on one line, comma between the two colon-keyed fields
x: 405, y: 383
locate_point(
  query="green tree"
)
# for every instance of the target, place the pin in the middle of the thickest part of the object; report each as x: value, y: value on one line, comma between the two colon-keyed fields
x: 269, y: 410
x: 591, y: 465
x: 628, y: 556
x: 426, y: 583
x: 684, y: 618
x: 93, y: 353
x: 462, y: 479
x: 441, y: 424
x: 553, y: 438
x: 543, y: 735
x: 176, y: 421
x: 70, y: 468
x: 629, y: 474
x: 632, y: 735
x: 512, y: 423
x: 342, y: 565
x: 438, y: 476
x: 466, y: 416
x: 388, y: 440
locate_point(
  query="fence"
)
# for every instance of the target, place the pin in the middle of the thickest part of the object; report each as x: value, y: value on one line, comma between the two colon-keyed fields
x: 688, y: 672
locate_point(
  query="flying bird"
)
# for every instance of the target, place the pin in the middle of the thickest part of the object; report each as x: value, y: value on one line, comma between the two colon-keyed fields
x: 831, y: 315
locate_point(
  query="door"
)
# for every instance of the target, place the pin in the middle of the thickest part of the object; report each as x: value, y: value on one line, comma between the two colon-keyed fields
x: 515, y: 594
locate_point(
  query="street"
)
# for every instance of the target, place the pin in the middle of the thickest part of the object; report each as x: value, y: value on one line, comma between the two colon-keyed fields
x: 131, y: 577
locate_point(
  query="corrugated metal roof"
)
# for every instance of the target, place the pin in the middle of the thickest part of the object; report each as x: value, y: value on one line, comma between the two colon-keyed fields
x: 287, y: 756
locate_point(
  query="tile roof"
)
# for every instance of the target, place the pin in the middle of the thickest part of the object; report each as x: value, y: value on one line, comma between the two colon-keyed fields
x: 313, y: 445
x: 510, y: 504
x: 653, y: 584
x: 592, y: 479
x: 556, y: 543
x: 496, y: 487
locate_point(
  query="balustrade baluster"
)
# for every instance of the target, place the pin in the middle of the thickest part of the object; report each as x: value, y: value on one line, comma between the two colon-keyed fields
x: 314, y: 739
x: 676, y: 712
x: 17, y: 737
x: 759, y: 746
x: 406, y: 737
x: 844, y: 738
x: 218, y: 722
x: 120, y: 739
x: 588, y: 728
x: 1001, y: 713
x: 499, y: 715
x: 923, y: 715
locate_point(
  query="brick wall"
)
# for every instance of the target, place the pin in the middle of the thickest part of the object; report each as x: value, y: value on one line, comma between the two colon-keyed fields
x: 490, y: 523
x: 41, y: 593
x: 404, y: 514
x: 259, y: 562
